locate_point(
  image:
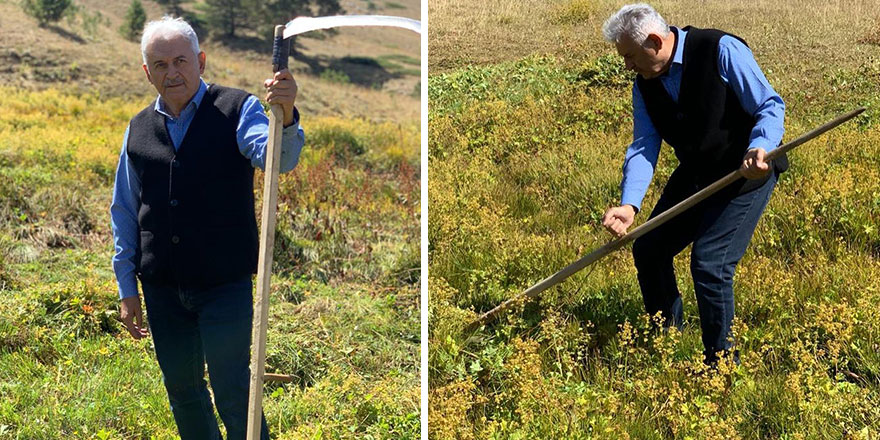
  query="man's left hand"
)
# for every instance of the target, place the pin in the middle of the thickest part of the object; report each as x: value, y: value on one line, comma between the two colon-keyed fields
x: 281, y: 89
x: 753, y: 165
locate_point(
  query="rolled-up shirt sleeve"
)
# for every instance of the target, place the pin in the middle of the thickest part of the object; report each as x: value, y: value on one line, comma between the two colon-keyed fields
x: 124, y: 222
x: 641, y: 156
x: 253, y: 134
x: 740, y: 71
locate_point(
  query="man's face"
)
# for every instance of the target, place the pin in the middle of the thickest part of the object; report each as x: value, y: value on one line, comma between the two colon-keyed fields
x: 174, y: 69
x: 645, y: 59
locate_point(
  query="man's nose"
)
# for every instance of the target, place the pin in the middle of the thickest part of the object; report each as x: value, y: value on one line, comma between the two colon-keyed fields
x: 172, y: 71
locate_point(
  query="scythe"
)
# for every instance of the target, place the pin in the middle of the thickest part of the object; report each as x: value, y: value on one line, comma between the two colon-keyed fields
x: 280, y: 52
x: 560, y: 276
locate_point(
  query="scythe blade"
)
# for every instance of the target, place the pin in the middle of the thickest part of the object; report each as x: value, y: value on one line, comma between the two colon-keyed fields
x: 301, y: 25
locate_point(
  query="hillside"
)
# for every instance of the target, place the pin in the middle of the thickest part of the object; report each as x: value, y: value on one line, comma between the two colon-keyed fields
x: 344, y: 315
x: 530, y: 116
x: 87, y: 55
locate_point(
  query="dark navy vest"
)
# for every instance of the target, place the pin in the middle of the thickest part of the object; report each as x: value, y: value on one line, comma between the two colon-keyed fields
x: 196, y: 219
x: 707, y: 128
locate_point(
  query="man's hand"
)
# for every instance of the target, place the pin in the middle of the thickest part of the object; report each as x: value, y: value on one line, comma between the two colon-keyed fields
x: 281, y: 89
x: 753, y: 166
x: 618, y: 219
x: 131, y: 315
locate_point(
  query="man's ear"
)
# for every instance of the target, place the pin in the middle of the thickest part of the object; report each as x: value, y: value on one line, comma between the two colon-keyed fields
x: 202, y: 59
x: 654, y: 42
x: 147, y: 71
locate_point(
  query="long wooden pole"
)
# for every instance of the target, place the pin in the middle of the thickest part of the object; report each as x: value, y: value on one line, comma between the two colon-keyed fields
x: 280, y: 53
x: 648, y: 226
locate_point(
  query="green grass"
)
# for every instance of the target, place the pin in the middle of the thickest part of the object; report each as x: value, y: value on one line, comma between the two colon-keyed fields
x: 400, y: 64
x: 344, y: 310
x: 394, y: 5
x: 524, y: 158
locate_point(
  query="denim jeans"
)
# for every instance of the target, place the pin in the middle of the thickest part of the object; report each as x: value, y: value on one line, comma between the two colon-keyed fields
x: 190, y: 328
x: 720, y: 229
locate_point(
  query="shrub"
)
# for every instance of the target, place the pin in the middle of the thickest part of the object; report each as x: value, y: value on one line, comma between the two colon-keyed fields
x: 134, y: 21
x: 575, y: 11
x: 47, y: 11
x: 335, y: 76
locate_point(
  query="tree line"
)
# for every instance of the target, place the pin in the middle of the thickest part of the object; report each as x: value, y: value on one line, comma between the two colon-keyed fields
x: 224, y: 18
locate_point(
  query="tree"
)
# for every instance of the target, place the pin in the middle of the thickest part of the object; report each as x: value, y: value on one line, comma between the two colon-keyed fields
x: 134, y: 21
x: 276, y: 12
x: 227, y: 16
x: 328, y: 7
x: 173, y: 7
x: 46, y: 11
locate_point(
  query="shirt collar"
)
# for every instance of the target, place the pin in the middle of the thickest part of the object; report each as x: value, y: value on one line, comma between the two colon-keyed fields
x: 195, y: 101
x: 680, y: 35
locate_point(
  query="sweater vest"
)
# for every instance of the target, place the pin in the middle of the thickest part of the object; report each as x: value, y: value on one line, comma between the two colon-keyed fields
x: 196, y: 218
x: 707, y: 128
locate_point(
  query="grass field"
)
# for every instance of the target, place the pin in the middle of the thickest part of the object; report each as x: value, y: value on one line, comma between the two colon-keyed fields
x: 344, y: 315
x: 529, y: 119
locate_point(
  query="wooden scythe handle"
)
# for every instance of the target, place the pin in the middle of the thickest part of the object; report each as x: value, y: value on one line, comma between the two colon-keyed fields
x: 280, y: 52
x: 646, y: 227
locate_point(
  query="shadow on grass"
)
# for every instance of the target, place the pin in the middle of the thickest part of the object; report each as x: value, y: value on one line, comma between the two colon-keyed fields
x: 65, y: 33
x: 247, y: 44
x: 361, y: 71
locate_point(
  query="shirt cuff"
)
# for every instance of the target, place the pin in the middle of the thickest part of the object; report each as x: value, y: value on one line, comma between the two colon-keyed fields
x: 630, y: 200
x: 761, y: 143
x: 127, y: 287
x: 295, y: 118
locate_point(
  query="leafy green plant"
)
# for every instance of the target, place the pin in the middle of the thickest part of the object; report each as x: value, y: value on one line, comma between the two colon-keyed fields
x: 135, y: 18
x: 335, y: 76
x: 47, y: 11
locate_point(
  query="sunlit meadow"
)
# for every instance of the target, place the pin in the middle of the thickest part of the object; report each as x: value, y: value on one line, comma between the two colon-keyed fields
x: 344, y: 315
x: 529, y: 118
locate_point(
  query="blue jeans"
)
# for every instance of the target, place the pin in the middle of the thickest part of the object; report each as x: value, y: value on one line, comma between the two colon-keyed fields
x: 720, y: 229
x: 190, y: 327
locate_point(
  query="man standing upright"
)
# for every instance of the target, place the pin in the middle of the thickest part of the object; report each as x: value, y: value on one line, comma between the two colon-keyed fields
x: 183, y: 223
x: 702, y: 92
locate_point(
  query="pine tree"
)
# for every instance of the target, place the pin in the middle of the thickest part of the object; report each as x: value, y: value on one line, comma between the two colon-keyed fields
x: 46, y: 11
x: 134, y: 21
x: 224, y: 17
x: 173, y: 7
x: 276, y: 12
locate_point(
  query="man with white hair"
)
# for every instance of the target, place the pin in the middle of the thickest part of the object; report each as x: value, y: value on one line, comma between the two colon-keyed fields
x: 183, y: 223
x: 702, y: 92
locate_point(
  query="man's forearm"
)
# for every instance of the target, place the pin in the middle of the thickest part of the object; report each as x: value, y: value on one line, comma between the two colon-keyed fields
x: 641, y: 156
x: 769, y: 128
x: 638, y: 170
x: 124, y: 223
x: 253, y: 137
x: 738, y: 69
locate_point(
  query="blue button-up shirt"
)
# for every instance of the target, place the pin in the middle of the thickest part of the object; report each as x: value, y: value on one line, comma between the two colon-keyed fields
x: 738, y: 69
x: 252, y: 134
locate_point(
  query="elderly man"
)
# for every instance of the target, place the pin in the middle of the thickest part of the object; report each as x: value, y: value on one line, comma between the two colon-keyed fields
x: 702, y: 92
x: 183, y: 223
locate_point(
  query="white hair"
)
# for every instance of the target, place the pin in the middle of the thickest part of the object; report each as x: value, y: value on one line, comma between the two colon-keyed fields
x: 636, y: 21
x: 168, y: 26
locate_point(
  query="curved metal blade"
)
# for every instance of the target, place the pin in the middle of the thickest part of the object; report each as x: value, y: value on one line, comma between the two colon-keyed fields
x: 301, y: 25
